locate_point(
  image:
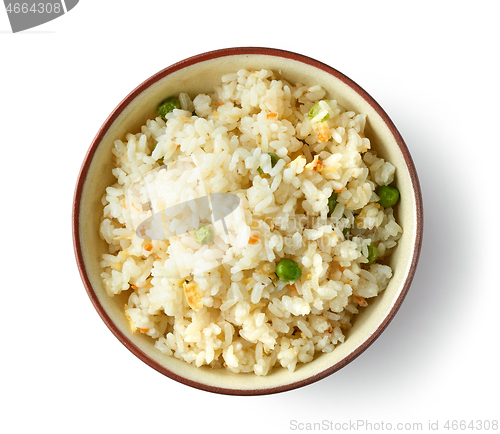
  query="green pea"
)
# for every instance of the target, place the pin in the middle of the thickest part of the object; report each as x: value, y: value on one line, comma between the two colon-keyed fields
x: 346, y: 232
x: 388, y: 195
x: 274, y: 159
x: 332, y: 203
x: 314, y: 112
x: 372, y: 254
x: 204, y: 235
x: 168, y: 106
x: 288, y: 271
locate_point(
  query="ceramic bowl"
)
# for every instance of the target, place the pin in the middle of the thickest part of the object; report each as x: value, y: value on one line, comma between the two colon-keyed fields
x: 200, y: 74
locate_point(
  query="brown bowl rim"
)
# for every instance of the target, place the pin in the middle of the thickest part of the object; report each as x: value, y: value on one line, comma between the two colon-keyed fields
x: 209, y: 56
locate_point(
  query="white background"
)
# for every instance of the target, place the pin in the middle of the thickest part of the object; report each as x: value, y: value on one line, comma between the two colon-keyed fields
x: 433, y: 66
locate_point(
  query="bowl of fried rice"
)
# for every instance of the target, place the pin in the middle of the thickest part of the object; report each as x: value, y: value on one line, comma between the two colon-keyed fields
x: 247, y: 221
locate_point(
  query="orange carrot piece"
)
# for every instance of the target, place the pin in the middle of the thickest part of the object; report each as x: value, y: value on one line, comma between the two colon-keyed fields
x: 254, y: 239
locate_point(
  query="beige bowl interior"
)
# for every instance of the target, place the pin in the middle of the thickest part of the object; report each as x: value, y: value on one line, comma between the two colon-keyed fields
x: 202, y: 77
